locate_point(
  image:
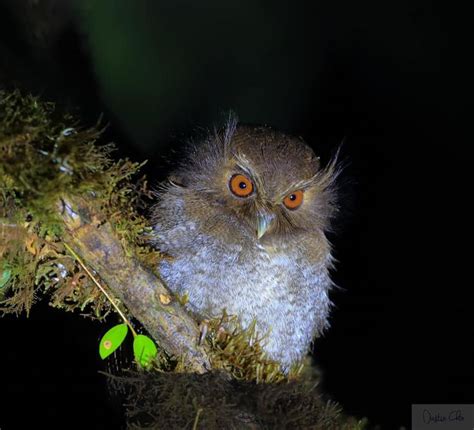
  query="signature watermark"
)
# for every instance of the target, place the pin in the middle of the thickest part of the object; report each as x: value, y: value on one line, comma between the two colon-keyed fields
x: 442, y: 417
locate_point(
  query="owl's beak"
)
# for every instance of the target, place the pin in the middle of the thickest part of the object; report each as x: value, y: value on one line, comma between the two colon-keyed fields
x: 264, y: 221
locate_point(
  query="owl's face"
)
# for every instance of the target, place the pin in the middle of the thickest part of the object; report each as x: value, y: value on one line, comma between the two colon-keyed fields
x: 255, y: 182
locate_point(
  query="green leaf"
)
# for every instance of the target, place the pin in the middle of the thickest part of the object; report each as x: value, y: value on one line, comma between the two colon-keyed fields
x: 5, y: 277
x: 112, y: 340
x: 144, y: 349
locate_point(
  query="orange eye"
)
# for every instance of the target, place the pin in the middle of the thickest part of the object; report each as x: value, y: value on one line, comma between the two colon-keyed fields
x: 293, y: 200
x: 241, y: 186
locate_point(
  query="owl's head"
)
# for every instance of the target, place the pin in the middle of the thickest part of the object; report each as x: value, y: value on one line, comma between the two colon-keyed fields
x: 257, y: 182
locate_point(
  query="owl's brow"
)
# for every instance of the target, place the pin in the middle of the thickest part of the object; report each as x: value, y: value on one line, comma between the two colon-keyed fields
x: 300, y: 185
x: 322, y: 179
x: 243, y: 163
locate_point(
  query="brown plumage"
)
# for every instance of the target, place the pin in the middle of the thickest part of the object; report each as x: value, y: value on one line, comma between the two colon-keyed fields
x: 244, y: 218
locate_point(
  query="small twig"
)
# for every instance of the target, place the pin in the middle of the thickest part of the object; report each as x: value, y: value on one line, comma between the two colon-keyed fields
x: 196, y: 420
x: 101, y: 288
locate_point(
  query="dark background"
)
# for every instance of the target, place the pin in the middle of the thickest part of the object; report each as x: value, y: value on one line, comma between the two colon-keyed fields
x: 390, y: 78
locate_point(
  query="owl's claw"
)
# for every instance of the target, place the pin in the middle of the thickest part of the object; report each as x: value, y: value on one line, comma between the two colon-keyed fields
x: 203, y: 329
x: 221, y: 334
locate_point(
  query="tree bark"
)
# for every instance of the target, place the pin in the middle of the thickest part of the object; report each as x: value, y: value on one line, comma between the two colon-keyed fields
x: 144, y: 295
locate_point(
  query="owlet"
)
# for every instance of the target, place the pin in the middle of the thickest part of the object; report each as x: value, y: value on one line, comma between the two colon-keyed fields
x: 243, y: 219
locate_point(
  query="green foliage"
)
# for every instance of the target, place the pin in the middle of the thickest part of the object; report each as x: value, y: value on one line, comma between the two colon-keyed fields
x: 45, y: 155
x: 112, y: 340
x: 145, y: 350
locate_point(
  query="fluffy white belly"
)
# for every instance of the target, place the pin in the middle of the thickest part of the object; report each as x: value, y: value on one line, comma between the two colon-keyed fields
x: 257, y: 283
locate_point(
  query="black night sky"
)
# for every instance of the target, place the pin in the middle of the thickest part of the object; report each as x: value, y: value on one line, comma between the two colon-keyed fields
x: 387, y: 78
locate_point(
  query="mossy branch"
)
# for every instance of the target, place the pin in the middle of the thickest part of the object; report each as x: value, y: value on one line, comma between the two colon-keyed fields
x: 139, y: 290
x: 58, y: 186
